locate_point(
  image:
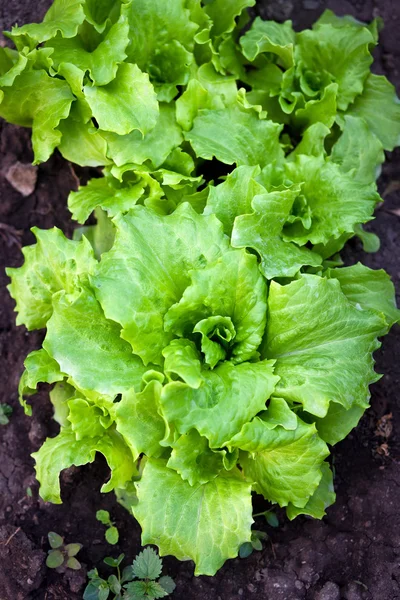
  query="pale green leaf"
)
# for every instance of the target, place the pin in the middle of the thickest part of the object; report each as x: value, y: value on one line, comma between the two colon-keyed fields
x: 51, y: 265
x: 369, y: 289
x: 358, y: 150
x: 64, y: 451
x: 39, y: 368
x: 161, y: 39
x: 339, y: 421
x: 182, y: 359
x: 284, y: 465
x: 205, y: 523
x: 147, y: 271
x: 233, y: 197
x: 47, y: 101
x: 102, y: 62
x: 64, y: 17
x: 82, y: 143
x: 270, y: 37
x: 339, y: 54
x: 379, y: 106
x: 263, y: 229
x: 279, y: 413
x: 223, y: 14
x: 106, y: 193
x: 88, y: 347
x: 235, y: 135
x: 229, y: 397
x: 336, y: 201
x: 232, y: 288
x: 139, y: 421
x: 322, y: 344
x: 323, y: 497
x: 127, y: 103
x: 155, y: 146
x: 193, y: 459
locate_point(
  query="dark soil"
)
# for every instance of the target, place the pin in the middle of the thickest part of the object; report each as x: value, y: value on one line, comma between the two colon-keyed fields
x: 353, y: 554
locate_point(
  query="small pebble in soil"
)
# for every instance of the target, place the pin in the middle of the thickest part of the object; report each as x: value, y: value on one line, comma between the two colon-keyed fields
x: 330, y: 591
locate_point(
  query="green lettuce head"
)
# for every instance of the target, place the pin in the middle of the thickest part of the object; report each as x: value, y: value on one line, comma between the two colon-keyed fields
x: 176, y: 359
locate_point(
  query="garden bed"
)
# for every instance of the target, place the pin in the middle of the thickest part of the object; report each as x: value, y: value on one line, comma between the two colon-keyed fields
x: 352, y: 554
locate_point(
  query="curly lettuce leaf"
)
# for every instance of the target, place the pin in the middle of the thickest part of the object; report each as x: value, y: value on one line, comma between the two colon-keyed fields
x: 339, y: 421
x: 228, y: 398
x: 334, y: 54
x: 206, y: 522
x: 183, y: 360
x: 47, y: 100
x: 155, y: 146
x: 137, y: 292
x: 323, y: 497
x: 52, y: 264
x: 101, y: 62
x: 270, y: 37
x: 138, y: 419
x: 322, y: 344
x: 128, y: 102
x: 39, y: 368
x: 64, y: 450
x: 88, y: 347
x: 63, y: 17
x: 105, y: 193
x: 262, y: 231
x: 285, y: 465
x: 337, y: 202
x: 161, y: 41
x: 358, y: 151
x: 235, y: 135
x: 234, y: 196
x: 194, y: 460
x: 226, y: 304
x: 379, y: 106
x: 367, y: 288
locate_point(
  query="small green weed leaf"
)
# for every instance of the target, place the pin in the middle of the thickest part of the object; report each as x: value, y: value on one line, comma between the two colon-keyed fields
x: 114, y: 562
x: 167, y: 583
x: 128, y: 574
x: 103, y: 593
x: 55, y: 559
x: 91, y: 592
x: 155, y: 590
x: 256, y: 543
x: 114, y: 584
x: 73, y: 549
x: 135, y: 591
x: 147, y: 565
x: 103, y: 516
x: 73, y: 563
x: 272, y: 519
x: 112, y: 535
x: 5, y: 412
x: 55, y: 540
x: 245, y: 550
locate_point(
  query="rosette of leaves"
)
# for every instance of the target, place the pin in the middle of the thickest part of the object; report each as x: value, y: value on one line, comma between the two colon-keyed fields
x: 196, y: 377
x: 321, y: 75
x: 97, y: 76
x: 62, y: 556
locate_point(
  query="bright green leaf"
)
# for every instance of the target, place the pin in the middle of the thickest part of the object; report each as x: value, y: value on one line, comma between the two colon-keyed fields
x: 172, y: 513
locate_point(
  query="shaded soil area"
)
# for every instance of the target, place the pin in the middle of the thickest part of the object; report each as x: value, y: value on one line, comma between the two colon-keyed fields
x: 353, y: 554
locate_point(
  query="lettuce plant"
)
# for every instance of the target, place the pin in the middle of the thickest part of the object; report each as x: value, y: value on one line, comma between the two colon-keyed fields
x: 206, y: 340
